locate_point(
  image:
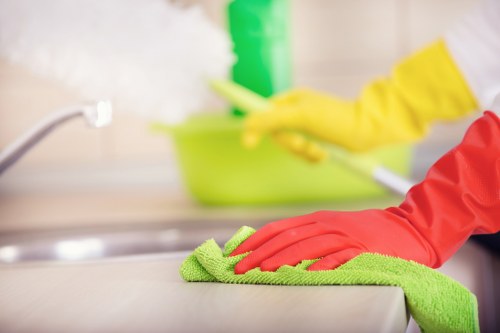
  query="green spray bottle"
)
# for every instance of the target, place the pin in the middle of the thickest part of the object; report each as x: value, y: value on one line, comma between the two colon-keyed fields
x: 260, y: 31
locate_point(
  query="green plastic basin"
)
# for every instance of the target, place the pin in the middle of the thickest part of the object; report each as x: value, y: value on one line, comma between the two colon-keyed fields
x: 217, y: 170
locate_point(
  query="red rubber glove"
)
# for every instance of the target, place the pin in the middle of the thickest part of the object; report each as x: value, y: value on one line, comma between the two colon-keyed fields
x: 459, y: 196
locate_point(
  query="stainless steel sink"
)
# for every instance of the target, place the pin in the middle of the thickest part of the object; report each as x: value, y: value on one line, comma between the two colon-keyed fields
x: 76, y: 245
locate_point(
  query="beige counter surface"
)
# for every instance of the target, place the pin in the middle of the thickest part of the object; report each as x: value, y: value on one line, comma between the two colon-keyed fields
x: 146, y: 294
x: 38, y: 290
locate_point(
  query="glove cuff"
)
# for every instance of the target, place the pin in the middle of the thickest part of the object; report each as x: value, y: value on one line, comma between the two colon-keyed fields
x: 425, y: 87
x: 433, y: 86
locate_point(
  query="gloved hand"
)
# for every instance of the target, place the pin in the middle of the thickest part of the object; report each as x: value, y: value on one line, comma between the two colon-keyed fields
x: 459, y: 196
x: 425, y: 87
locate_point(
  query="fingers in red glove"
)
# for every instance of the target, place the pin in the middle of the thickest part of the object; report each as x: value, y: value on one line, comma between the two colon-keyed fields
x: 328, y: 246
x: 269, y: 231
x: 335, y: 260
x: 277, y: 244
x: 270, y: 257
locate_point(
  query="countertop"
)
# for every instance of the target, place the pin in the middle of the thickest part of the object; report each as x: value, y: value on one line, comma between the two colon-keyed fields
x: 146, y: 294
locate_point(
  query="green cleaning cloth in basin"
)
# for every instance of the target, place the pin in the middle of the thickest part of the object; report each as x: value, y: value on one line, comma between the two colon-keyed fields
x: 436, y: 302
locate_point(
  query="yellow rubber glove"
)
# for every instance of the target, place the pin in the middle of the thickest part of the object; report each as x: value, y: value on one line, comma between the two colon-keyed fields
x: 423, y: 88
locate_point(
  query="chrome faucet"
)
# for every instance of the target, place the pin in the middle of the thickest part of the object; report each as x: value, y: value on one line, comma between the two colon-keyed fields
x: 97, y: 114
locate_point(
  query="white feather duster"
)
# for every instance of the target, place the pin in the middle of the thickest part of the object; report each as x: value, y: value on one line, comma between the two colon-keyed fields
x: 149, y: 56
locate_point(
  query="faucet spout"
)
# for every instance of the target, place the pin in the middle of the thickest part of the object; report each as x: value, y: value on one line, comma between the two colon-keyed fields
x: 97, y: 114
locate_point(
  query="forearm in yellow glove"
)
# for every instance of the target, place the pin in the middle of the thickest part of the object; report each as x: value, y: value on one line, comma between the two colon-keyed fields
x: 425, y: 87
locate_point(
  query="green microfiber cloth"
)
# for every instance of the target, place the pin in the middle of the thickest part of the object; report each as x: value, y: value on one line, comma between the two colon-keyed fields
x: 437, y: 303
